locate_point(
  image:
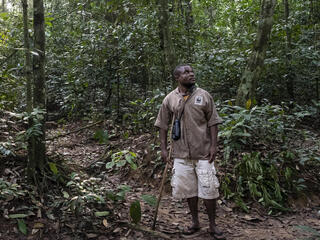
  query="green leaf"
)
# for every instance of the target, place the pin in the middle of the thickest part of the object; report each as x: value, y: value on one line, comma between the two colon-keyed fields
x: 125, y: 188
x: 121, y: 163
x: 53, y: 168
x: 110, y: 164
x: 309, y: 229
x: 129, y: 158
x: 150, y: 199
x: 133, y: 166
x: 135, y: 212
x: 133, y: 154
x: 101, y: 214
x: 248, y: 104
x: 101, y: 136
x: 19, y: 215
x: 65, y: 194
x: 22, y: 226
x: 111, y: 195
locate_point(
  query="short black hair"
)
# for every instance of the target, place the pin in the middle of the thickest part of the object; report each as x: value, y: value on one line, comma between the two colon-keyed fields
x: 176, y: 71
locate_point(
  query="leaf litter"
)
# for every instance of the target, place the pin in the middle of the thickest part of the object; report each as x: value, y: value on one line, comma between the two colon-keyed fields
x: 66, y: 215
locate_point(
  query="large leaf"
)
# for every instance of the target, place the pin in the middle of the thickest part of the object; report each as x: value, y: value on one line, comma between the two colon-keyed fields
x: 110, y: 164
x: 101, y: 136
x: 150, y: 199
x: 121, y: 163
x: 19, y: 215
x: 135, y: 212
x: 53, y: 168
x: 22, y: 226
x: 101, y: 214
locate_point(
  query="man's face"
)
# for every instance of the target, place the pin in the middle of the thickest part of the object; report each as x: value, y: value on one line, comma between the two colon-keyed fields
x: 186, y: 77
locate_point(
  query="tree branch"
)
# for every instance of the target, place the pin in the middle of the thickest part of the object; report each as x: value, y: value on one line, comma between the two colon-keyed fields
x: 75, y: 131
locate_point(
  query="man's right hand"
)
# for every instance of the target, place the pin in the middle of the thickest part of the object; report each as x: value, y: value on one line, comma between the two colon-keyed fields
x: 164, y: 155
x: 163, y: 144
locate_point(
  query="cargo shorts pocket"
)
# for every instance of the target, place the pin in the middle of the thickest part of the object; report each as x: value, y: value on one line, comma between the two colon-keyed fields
x: 173, y: 179
x: 207, y: 180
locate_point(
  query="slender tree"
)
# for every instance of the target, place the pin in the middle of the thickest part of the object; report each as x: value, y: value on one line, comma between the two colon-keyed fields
x: 166, y: 39
x: 28, y: 74
x: 289, y: 78
x: 3, y: 6
x: 38, y: 159
x: 189, y: 24
x: 28, y: 64
x: 247, y: 87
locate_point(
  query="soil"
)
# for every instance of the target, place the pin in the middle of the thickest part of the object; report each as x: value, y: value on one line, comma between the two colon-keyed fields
x: 82, y: 153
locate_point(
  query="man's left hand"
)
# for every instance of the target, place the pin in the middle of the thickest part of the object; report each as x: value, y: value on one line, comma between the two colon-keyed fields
x: 213, y: 153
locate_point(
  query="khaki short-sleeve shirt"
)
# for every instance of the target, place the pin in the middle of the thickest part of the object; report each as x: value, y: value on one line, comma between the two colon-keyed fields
x: 198, y: 116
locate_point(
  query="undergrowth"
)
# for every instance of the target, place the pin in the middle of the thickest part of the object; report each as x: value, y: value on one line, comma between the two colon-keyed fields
x: 270, y: 151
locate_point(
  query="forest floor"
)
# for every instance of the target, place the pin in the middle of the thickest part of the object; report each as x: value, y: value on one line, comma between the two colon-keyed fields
x: 51, y: 216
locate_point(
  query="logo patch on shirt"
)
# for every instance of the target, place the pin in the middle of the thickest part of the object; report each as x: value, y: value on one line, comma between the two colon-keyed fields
x: 198, y: 100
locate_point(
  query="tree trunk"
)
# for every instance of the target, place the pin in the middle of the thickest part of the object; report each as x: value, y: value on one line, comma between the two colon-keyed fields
x: 189, y: 23
x: 28, y: 75
x: 289, y: 77
x: 3, y: 6
x: 28, y: 70
x: 247, y: 88
x: 165, y: 35
x: 38, y: 159
x: 311, y: 12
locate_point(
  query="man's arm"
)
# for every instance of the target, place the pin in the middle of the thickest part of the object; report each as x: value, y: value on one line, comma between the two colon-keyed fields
x: 214, y: 142
x: 163, y: 144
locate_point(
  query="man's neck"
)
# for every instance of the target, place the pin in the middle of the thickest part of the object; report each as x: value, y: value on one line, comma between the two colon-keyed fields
x: 185, y: 90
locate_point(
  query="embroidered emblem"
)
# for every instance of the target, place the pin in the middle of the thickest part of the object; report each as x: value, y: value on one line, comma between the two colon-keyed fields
x: 198, y: 100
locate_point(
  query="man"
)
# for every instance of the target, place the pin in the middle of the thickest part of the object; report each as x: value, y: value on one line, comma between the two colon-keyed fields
x: 196, y: 149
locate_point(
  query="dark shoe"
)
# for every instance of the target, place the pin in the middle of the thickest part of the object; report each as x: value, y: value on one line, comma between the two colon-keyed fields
x: 190, y: 230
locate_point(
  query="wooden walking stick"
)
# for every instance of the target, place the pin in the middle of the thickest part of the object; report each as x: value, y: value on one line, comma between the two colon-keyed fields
x: 163, y: 180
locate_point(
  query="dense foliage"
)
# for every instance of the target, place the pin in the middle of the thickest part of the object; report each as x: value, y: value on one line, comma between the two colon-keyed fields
x: 104, y: 60
x: 101, y: 53
x: 267, y: 154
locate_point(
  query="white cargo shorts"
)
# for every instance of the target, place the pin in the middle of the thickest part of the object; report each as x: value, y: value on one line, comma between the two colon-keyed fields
x: 191, y: 178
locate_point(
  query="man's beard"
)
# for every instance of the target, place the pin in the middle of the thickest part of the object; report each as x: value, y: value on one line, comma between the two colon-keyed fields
x: 188, y: 85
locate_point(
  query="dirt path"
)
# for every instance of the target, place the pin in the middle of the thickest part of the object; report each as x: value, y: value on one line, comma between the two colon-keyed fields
x: 173, y: 217
x: 173, y: 214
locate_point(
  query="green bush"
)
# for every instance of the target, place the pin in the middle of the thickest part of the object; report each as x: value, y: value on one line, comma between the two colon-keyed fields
x: 265, y: 144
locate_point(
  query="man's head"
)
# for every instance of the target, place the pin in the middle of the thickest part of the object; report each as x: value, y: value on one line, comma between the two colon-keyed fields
x: 184, y: 75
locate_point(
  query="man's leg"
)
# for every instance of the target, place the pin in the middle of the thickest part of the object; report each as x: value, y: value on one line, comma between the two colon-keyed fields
x: 211, y: 205
x: 193, y: 206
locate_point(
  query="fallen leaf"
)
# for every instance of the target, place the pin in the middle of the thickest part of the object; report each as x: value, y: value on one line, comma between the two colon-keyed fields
x: 65, y: 194
x: 227, y: 209
x: 250, y: 218
x: 20, y: 215
x: 34, y: 231
x: 39, y: 214
x: 105, y: 223
x: 50, y: 216
x: 101, y: 214
x: 22, y: 226
x: 38, y: 225
x: 91, y: 235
